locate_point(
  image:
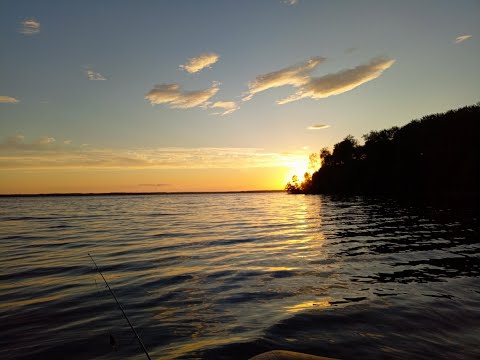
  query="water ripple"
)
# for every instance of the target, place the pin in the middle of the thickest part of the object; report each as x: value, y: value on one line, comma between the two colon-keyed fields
x: 226, y: 276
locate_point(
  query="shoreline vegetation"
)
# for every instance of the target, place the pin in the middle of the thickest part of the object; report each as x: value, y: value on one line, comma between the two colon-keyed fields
x: 436, y: 155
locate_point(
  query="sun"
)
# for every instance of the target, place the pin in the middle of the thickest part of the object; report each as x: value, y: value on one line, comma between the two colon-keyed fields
x: 297, y: 167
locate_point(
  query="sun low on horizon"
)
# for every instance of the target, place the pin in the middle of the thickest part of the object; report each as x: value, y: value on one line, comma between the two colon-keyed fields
x: 297, y: 168
x: 216, y: 95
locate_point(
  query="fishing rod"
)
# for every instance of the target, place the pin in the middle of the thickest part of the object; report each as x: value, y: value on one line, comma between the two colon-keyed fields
x: 121, y: 309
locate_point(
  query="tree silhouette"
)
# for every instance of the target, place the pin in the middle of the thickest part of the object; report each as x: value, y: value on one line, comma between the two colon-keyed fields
x: 437, y: 154
x: 345, y: 152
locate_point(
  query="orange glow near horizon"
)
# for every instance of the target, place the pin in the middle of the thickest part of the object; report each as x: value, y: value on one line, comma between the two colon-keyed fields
x: 255, y: 171
x: 144, y: 180
x: 80, y: 170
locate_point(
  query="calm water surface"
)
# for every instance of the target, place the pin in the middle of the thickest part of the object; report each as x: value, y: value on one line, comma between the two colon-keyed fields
x: 227, y: 276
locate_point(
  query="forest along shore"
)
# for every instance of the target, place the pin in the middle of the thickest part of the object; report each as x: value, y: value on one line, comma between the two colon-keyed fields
x: 436, y: 155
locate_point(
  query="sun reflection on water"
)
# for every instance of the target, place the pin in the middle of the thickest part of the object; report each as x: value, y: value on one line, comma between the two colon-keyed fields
x: 307, y: 305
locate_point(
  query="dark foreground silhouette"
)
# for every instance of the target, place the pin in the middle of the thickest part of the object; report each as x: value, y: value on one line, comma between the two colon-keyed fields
x: 438, y: 154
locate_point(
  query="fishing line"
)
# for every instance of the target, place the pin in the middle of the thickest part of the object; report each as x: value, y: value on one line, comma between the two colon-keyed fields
x: 121, y: 309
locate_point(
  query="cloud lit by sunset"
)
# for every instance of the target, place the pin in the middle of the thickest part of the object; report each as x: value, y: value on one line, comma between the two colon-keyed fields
x: 30, y: 27
x: 200, y: 62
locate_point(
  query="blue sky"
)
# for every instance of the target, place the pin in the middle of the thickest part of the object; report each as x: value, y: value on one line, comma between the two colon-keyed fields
x: 136, y: 45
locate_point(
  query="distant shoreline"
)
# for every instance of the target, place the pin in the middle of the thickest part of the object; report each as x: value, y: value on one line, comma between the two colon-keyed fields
x: 142, y: 193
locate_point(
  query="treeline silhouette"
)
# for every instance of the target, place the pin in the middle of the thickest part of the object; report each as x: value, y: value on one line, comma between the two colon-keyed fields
x: 439, y: 153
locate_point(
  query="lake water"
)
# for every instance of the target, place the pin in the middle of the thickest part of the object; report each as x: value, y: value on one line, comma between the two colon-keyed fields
x: 227, y: 276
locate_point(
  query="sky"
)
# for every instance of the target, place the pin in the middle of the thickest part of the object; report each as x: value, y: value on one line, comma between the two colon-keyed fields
x: 141, y: 96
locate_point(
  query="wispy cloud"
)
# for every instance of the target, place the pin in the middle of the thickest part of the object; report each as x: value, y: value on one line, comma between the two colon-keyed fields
x: 30, y: 27
x: 200, y: 62
x: 227, y: 106
x: 92, y: 75
x: 17, y: 142
x: 173, y: 96
x: 14, y: 140
x: 44, y: 140
x: 340, y: 82
x: 8, y: 100
x: 318, y: 127
x: 296, y: 75
x: 16, y: 153
x: 291, y: 2
x: 300, y: 76
x: 462, y: 38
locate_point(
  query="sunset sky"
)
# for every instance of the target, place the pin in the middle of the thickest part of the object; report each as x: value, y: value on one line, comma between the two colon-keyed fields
x: 101, y: 96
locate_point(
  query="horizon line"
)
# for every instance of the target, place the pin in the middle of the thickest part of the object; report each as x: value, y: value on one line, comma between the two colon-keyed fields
x: 116, y: 193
